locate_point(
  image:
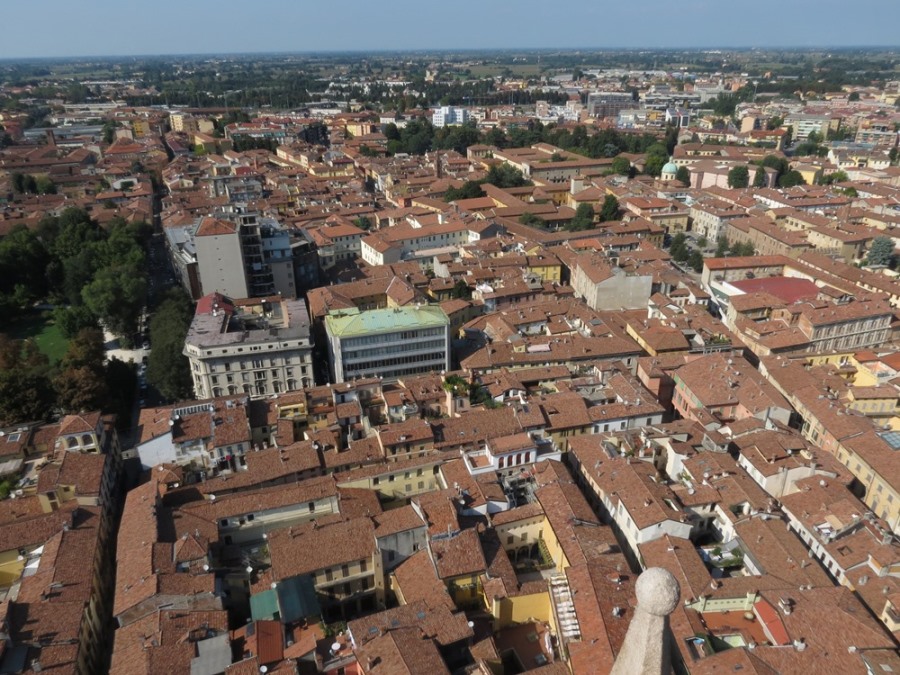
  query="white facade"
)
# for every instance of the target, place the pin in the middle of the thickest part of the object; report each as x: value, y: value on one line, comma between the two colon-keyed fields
x: 446, y: 116
x: 262, y: 356
x: 388, y: 343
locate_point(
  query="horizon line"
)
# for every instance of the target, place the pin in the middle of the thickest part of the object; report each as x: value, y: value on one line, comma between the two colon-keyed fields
x: 465, y: 50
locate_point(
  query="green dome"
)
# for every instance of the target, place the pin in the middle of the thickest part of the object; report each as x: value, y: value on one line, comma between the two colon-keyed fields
x: 670, y: 167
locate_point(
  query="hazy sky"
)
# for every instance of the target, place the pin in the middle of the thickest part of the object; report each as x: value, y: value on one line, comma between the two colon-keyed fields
x: 107, y: 27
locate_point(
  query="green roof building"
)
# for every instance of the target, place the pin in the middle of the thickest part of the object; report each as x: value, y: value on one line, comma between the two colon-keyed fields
x: 388, y: 343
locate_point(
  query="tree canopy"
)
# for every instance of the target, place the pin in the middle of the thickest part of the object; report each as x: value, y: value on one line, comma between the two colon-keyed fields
x: 881, y: 251
x: 168, y: 369
x: 609, y: 210
x: 738, y: 177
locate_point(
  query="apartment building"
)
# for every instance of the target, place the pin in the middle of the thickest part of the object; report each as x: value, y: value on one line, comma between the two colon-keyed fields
x: 609, y: 103
x: 242, y: 255
x: 389, y: 343
x: 253, y: 346
x: 341, y: 559
x: 710, y: 216
x: 727, y: 388
x: 851, y: 325
x: 605, y: 285
x: 446, y: 116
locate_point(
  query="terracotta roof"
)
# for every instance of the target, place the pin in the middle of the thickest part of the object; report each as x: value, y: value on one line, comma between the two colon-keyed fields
x: 304, y: 550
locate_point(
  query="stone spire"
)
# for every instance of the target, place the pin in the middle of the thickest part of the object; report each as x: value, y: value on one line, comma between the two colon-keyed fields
x: 646, y: 647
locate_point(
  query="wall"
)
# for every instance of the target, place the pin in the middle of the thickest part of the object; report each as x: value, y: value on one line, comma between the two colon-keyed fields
x: 521, y: 609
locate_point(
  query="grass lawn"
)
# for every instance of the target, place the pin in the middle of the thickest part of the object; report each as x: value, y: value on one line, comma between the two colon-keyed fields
x: 43, y: 329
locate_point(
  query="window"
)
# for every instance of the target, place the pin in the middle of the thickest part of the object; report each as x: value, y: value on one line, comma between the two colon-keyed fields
x: 312, y: 507
x: 328, y: 575
x: 363, y: 565
x: 345, y: 570
x: 223, y: 522
x: 510, y: 539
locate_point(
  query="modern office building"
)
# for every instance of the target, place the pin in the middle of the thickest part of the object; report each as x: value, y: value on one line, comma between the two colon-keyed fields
x: 389, y: 343
x: 257, y: 346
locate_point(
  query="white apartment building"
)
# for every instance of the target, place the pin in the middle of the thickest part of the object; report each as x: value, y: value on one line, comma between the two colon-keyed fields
x: 446, y: 116
x: 257, y: 347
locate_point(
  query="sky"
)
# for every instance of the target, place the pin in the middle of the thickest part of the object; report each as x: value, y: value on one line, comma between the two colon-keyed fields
x: 60, y: 28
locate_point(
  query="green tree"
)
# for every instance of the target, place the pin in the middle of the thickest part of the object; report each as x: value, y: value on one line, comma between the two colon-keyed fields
x: 109, y: 131
x: 532, y: 220
x: 621, y: 166
x: 23, y: 265
x: 656, y: 159
x: 695, y: 261
x: 81, y: 383
x: 168, y: 369
x: 679, y: 249
x: 121, y: 383
x: 881, y: 252
x: 836, y: 177
x: 583, y: 220
x: 45, y: 186
x: 25, y: 396
x: 456, y: 385
x: 461, y: 290
x: 609, y: 210
x: 72, y: 320
x: 738, y: 177
x: 26, y: 393
x: 721, y: 247
x: 470, y: 190
x: 791, y: 179
x: 759, y: 178
x: 116, y: 296
x: 683, y: 175
x: 505, y: 176
x: 742, y: 249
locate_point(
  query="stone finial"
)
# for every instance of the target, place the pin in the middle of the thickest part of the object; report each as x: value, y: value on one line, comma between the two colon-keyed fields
x: 646, y: 647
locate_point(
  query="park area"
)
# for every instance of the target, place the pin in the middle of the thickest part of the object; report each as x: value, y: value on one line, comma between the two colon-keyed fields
x: 40, y: 326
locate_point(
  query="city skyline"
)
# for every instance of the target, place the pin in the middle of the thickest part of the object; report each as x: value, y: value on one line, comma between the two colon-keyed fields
x: 219, y: 28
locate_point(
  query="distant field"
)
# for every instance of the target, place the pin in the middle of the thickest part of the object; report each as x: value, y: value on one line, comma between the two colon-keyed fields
x: 517, y: 69
x: 45, y: 332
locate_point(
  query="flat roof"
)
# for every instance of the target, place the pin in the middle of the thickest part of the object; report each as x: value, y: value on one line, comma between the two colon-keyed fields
x: 352, y: 322
x: 788, y: 289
